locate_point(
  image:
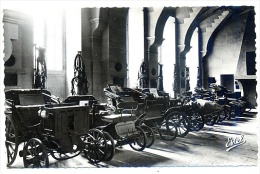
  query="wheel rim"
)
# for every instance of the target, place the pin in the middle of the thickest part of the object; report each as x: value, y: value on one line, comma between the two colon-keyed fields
x: 95, y: 146
x: 140, y: 139
x: 210, y: 120
x: 35, y: 154
x: 197, y: 122
x: 221, y: 116
x: 167, y: 134
x: 11, y: 142
x: 181, y: 121
x: 110, y: 146
x: 64, y: 156
x: 149, y: 135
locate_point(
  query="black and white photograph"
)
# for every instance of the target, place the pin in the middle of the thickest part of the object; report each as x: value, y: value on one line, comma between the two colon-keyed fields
x: 132, y: 86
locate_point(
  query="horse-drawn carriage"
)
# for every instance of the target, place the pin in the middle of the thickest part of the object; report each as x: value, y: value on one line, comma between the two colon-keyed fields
x: 40, y: 125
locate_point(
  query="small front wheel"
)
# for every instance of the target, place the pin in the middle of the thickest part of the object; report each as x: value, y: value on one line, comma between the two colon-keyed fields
x: 35, y: 154
x: 210, y: 120
x: 197, y: 121
x: 140, y: 138
x: 149, y: 134
x: 221, y: 116
x: 95, y: 146
x: 167, y: 133
x: 110, y: 146
x: 180, y: 120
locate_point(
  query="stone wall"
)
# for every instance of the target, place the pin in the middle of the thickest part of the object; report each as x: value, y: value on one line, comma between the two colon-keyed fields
x: 18, y: 28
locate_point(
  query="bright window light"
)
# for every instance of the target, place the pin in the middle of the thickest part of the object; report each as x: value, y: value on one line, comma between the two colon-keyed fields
x: 48, y: 34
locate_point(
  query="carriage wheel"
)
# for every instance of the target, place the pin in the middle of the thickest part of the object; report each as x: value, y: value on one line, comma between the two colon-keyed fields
x: 11, y: 142
x: 35, y: 154
x: 140, y: 138
x: 227, y: 113
x: 64, y: 156
x: 110, y: 146
x: 167, y: 134
x: 181, y: 121
x: 233, y: 112
x: 221, y: 116
x: 149, y: 135
x: 197, y: 121
x: 210, y: 120
x: 95, y: 146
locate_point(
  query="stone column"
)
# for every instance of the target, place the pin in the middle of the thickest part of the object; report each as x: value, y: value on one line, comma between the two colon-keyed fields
x: 92, y: 28
x: 181, y: 51
x: 152, y: 43
x: 180, y: 61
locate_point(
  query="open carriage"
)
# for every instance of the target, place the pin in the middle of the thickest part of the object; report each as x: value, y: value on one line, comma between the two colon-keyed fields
x: 118, y: 122
x: 155, y: 112
x: 161, y: 113
x: 41, y: 126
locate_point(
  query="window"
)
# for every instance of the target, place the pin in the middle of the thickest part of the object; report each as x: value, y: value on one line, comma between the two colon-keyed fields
x: 49, y: 34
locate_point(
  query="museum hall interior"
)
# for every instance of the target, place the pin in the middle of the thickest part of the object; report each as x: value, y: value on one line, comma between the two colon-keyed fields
x: 116, y: 87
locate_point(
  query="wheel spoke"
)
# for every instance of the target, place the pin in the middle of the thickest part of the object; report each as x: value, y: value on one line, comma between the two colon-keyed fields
x: 29, y: 161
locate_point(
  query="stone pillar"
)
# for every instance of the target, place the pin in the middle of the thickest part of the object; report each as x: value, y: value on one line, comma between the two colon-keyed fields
x: 201, y: 55
x: 89, y: 22
x: 93, y: 25
x: 153, y: 64
x: 181, y: 50
x: 152, y: 43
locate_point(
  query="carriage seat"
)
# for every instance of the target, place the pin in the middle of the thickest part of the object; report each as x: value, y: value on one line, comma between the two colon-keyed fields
x: 117, y: 118
x: 159, y: 97
x: 127, y: 111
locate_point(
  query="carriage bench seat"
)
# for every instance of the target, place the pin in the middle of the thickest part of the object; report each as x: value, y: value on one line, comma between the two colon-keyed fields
x: 116, y: 118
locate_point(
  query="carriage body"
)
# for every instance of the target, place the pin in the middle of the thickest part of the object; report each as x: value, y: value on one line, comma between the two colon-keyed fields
x: 117, y: 116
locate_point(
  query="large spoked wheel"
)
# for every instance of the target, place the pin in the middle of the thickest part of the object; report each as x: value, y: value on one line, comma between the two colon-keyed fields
x: 110, y: 146
x: 139, y: 142
x: 64, y: 156
x: 95, y: 146
x: 11, y: 142
x: 181, y: 121
x: 35, y: 154
x: 197, y: 121
x: 149, y: 135
x: 167, y: 134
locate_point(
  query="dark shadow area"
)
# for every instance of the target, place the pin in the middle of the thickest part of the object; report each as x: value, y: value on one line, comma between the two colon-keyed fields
x: 130, y: 158
x: 225, y: 123
x: 250, y: 114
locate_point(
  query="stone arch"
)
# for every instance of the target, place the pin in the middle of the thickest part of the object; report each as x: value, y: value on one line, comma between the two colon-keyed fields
x: 233, y: 14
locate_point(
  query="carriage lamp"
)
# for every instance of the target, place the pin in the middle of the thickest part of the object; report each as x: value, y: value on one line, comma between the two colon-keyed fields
x: 43, y: 113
